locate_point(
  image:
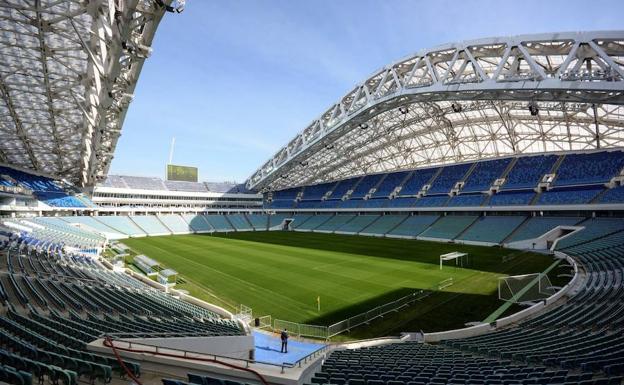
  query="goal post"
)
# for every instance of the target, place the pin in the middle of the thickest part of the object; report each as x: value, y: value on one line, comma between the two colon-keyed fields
x: 454, y: 256
x: 525, y: 288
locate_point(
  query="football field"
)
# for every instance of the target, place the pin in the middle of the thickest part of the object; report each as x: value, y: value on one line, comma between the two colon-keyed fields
x: 282, y: 274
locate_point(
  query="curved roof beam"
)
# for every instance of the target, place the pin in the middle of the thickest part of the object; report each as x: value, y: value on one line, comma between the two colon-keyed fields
x: 559, y: 72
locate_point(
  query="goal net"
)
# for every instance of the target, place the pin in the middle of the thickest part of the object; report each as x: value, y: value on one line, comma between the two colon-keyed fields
x: 525, y: 288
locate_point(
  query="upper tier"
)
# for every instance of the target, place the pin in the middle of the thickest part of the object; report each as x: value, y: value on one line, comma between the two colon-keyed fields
x: 550, y: 179
x: 152, y: 183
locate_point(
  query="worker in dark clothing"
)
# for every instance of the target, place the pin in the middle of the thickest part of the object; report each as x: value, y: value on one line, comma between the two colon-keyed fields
x: 284, y: 336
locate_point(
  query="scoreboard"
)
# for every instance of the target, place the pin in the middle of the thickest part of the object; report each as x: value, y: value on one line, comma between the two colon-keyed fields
x: 181, y: 173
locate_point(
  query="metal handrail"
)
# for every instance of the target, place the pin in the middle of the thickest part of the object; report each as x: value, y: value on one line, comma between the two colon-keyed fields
x: 388, y: 307
x: 282, y: 366
x: 310, y: 356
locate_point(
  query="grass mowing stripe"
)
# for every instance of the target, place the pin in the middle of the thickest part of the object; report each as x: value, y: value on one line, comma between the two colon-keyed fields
x: 234, y: 278
x: 282, y: 273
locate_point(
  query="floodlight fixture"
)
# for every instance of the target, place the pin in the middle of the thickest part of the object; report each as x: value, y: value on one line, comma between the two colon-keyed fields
x: 533, y: 109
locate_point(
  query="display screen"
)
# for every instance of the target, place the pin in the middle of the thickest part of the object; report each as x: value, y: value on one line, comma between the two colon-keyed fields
x: 181, y: 173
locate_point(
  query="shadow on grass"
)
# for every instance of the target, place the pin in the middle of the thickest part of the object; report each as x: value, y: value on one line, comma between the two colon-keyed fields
x: 482, y: 258
x: 438, y: 312
x: 360, y: 307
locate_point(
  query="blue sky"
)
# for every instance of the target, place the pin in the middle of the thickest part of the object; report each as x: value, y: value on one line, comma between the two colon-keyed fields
x: 234, y: 80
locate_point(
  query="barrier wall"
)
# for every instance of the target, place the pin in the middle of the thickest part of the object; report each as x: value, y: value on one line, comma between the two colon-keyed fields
x: 541, y: 242
x: 458, y: 333
x: 179, y: 367
x: 519, y: 315
x: 475, y: 243
x: 240, y: 347
x: 372, y: 342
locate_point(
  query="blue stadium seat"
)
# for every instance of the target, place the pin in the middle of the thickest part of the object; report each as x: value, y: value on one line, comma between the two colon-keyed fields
x: 335, y: 222
x: 342, y: 188
x: 219, y: 222
x: 449, y: 176
x: 59, y: 199
x: 288, y: 194
x: 149, y: 224
x: 33, y: 182
x: 492, y: 228
x: 512, y: 198
x: 197, y: 222
x: 593, y: 168
x: 317, y: 192
x: 537, y: 226
x: 416, y: 181
x: 375, y: 203
x: 329, y: 204
x: 308, y: 204
x: 528, y: 171
x: 449, y: 227
x: 576, y: 195
x: 365, y: 185
x: 350, y: 203
x: 613, y: 195
x: 310, y: 222
x: 401, y: 202
x: 384, y: 224
x: 484, y: 174
x: 239, y: 221
x: 413, y: 225
x: 357, y: 224
x: 432, y: 201
x: 464, y: 200
x: 282, y: 204
x: 389, y: 184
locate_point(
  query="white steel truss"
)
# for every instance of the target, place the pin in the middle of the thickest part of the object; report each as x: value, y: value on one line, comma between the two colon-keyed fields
x: 465, y: 101
x: 68, y: 69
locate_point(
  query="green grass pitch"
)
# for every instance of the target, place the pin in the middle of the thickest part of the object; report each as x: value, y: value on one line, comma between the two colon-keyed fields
x: 282, y: 273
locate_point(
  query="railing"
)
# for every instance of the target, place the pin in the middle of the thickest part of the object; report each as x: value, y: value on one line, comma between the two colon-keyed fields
x: 265, y: 322
x: 386, y: 308
x: 374, y: 313
x: 325, y: 332
x: 301, y: 330
x: 245, y: 314
x: 134, y: 346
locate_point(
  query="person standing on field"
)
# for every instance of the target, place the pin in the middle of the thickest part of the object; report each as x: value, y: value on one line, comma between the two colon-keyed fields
x: 284, y: 336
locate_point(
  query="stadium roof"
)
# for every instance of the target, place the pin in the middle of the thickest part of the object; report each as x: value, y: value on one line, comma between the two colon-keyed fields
x: 68, y: 69
x: 465, y: 101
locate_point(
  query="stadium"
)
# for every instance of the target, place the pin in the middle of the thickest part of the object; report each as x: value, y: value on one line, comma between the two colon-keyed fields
x: 457, y: 217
